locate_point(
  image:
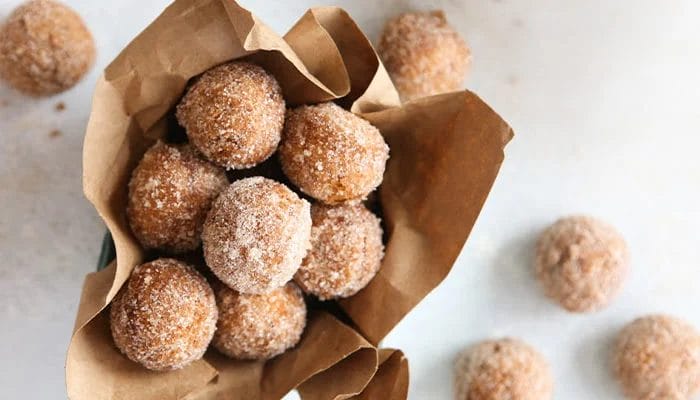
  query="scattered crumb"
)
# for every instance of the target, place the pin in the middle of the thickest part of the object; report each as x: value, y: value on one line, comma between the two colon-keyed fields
x: 512, y: 80
x: 54, y: 134
x: 60, y: 106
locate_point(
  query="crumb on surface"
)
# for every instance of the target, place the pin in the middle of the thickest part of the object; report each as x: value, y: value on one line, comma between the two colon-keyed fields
x: 55, y: 134
x: 60, y: 106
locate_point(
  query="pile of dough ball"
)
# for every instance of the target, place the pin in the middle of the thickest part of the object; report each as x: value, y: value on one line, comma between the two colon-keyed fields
x: 265, y: 243
x: 423, y: 54
x: 45, y: 48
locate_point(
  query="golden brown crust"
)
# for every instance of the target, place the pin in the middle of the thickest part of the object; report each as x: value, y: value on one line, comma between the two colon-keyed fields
x: 331, y: 154
x: 45, y: 48
x: 346, y: 251
x: 423, y: 54
x: 233, y: 114
x: 164, y: 316
x: 170, y: 193
x: 259, y: 327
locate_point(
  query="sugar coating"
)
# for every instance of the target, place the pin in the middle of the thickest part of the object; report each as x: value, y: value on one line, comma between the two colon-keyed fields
x: 170, y: 193
x: 259, y: 326
x: 233, y: 114
x: 581, y: 263
x: 45, y: 48
x: 657, y: 357
x: 505, y: 369
x: 256, y: 235
x: 346, y: 251
x: 164, y: 316
x: 332, y: 154
x: 423, y: 54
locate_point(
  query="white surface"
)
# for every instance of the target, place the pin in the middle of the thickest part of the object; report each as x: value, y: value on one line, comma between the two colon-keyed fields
x: 603, y: 97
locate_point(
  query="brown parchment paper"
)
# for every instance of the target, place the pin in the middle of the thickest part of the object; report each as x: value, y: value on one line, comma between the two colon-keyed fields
x: 445, y: 153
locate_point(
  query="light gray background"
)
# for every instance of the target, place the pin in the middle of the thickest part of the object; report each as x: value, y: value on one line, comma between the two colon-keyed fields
x: 603, y: 96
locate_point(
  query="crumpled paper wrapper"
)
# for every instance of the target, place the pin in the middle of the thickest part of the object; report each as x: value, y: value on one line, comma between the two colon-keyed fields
x: 445, y: 154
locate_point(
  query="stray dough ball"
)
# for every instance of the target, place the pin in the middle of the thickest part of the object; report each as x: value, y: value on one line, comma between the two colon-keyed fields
x: 581, y: 262
x: 657, y: 357
x: 256, y: 235
x: 346, y: 251
x: 332, y: 154
x: 259, y: 326
x: 505, y: 369
x: 233, y: 114
x: 164, y: 316
x: 170, y: 193
x: 45, y: 48
x: 423, y: 54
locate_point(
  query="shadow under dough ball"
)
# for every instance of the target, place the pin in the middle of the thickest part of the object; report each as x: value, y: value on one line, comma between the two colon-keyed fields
x: 657, y: 357
x: 45, y: 48
x: 581, y: 263
x: 164, y: 316
x: 332, y: 154
x: 233, y: 114
x: 423, y: 54
x: 170, y: 193
x: 505, y: 369
x: 256, y: 235
x: 259, y: 326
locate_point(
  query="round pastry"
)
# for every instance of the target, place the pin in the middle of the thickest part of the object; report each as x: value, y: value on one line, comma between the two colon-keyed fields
x: 581, y: 263
x: 331, y: 154
x: 658, y: 357
x: 256, y: 235
x: 233, y: 114
x: 423, y: 54
x: 505, y: 369
x: 45, y: 48
x: 164, y: 316
x: 259, y: 326
x: 170, y: 193
x: 346, y: 251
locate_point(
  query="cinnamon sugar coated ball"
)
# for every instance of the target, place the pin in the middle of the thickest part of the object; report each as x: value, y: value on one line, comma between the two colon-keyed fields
x: 331, y: 154
x: 233, y: 114
x: 45, y: 48
x: 170, y: 193
x: 256, y: 235
x: 581, y: 263
x: 657, y: 357
x: 346, y: 251
x: 164, y: 316
x: 423, y: 54
x: 505, y: 369
x: 259, y: 326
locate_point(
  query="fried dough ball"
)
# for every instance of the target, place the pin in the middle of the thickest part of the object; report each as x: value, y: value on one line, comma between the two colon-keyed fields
x: 233, y: 114
x: 45, y: 48
x: 259, y: 326
x: 423, y: 54
x: 581, y: 263
x: 657, y: 357
x: 170, y: 193
x: 505, y: 369
x: 346, y: 251
x: 256, y: 235
x: 331, y: 154
x: 164, y: 316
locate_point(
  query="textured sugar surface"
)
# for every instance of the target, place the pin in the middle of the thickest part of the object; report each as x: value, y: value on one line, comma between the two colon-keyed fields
x: 346, y: 251
x: 234, y: 114
x: 45, y: 48
x: 331, y: 154
x: 256, y: 235
x: 423, y: 54
x: 505, y: 369
x: 658, y: 357
x: 165, y: 315
x: 257, y: 327
x: 581, y: 263
x: 170, y: 193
